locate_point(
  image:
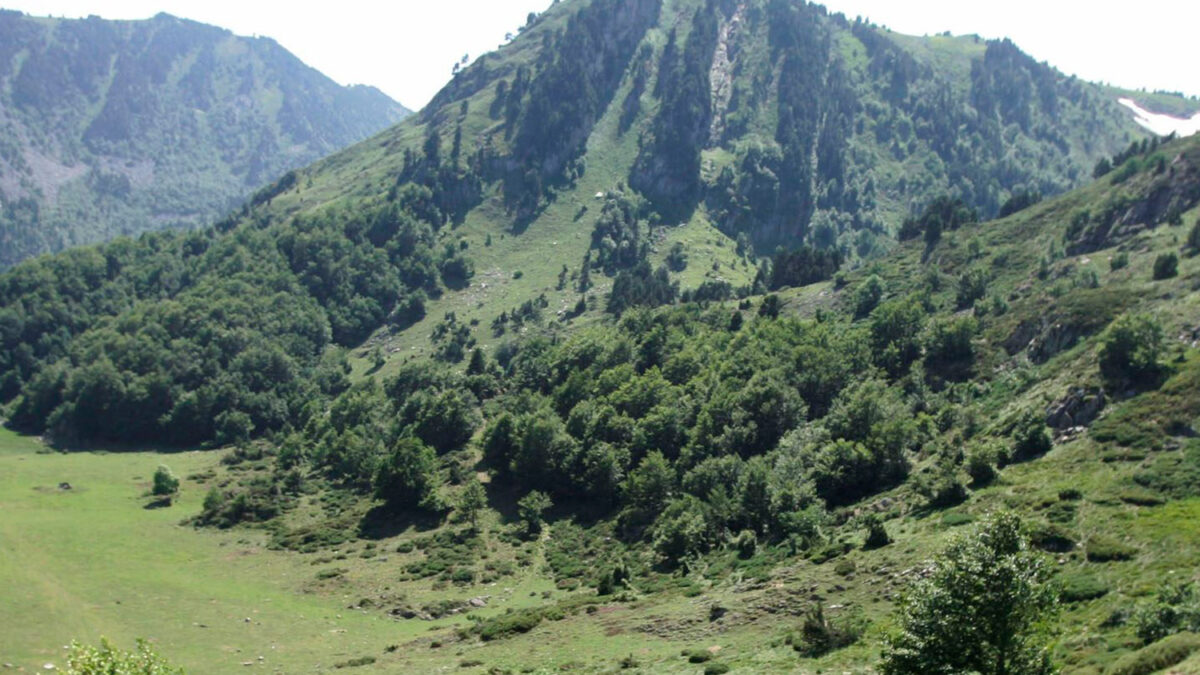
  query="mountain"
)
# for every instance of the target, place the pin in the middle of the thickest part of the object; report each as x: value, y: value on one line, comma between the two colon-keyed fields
x: 121, y: 127
x: 580, y: 350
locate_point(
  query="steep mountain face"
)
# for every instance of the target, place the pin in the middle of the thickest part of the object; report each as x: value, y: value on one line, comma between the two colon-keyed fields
x: 120, y: 127
x: 688, y: 124
x: 786, y: 123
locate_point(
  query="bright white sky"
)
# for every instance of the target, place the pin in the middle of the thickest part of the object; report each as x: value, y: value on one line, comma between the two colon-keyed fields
x: 408, y: 47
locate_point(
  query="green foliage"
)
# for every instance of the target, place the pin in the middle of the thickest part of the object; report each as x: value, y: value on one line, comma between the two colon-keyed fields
x: 1082, y: 587
x: 1174, y: 609
x: 972, y: 286
x: 407, y: 477
x: 1176, y: 474
x: 109, y: 660
x: 1192, y: 243
x: 980, y: 464
x: 982, y: 609
x: 867, y: 296
x: 641, y: 286
x: 877, y: 535
x: 1166, y: 266
x: 949, y: 350
x: 1102, y: 548
x: 681, y: 530
x: 1030, y: 437
x: 165, y: 483
x: 472, y: 501
x: 1130, y: 349
x: 240, y: 347
x: 1157, y: 656
x: 941, y: 215
x: 819, y: 635
x: 532, y: 510
x: 514, y: 622
x: 1019, y: 201
x: 896, y: 328
x: 803, y: 266
x: 667, y: 169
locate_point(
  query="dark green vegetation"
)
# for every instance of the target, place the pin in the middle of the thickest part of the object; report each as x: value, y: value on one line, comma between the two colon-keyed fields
x: 119, y: 127
x: 460, y: 355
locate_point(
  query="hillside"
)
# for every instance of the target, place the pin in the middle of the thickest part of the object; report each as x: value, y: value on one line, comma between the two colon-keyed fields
x: 120, y: 127
x: 563, y: 374
x: 1012, y: 403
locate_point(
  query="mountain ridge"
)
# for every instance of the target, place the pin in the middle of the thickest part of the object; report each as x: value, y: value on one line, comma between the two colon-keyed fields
x: 120, y: 127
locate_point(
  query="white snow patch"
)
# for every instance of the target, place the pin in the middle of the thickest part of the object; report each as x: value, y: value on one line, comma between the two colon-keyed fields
x: 1160, y: 124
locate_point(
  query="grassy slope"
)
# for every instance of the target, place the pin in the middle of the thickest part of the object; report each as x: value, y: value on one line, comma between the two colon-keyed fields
x: 74, y: 555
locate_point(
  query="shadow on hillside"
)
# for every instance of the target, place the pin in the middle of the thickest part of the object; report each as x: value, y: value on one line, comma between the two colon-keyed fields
x: 382, y: 522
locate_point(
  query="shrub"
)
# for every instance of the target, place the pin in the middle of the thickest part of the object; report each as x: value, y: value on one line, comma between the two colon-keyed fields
x: 106, y: 659
x: 746, y: 543
x: 877, y: 535
x: 980, y: 465
x: 1175, y: 609
x: 510, y: 623
x: 1157, y: 656
x: 1030, y: 438
x: 1119, y: 261
x: 972, y: 285
x: 957, y: 518
x: 1052, y: 537
x: 165, y: 482
x: 532, y: 509
x: 1193, y: 238
x: 819, y: 635
x: 1166, y: 266
x: 1101, y: 548
x: 1131, y: 347
x: 716, y: 669
x: 867, y: 296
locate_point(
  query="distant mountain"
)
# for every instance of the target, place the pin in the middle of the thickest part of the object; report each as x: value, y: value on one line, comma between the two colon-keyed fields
x: 121, y: 127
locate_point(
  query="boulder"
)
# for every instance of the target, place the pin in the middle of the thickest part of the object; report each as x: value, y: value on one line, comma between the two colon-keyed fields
x: 1078, y: 408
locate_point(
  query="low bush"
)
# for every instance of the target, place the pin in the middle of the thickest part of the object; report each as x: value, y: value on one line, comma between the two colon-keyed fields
x: 819, y: 635
x: 1166, y: 266
x: 1157, y: 656
x: 957, y: 518
x: 1174, y: 609
x: 1052, y: 537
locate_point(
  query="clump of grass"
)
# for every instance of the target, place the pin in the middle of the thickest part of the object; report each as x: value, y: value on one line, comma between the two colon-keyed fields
x: 516, y: 621
x: 1082, y: 587
x: 1175, y: 475
x: 1101, y: 548
x: 356, y: 662
x: 957, y: 518
x: 1052, y: 537
x: 1157, y: 656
